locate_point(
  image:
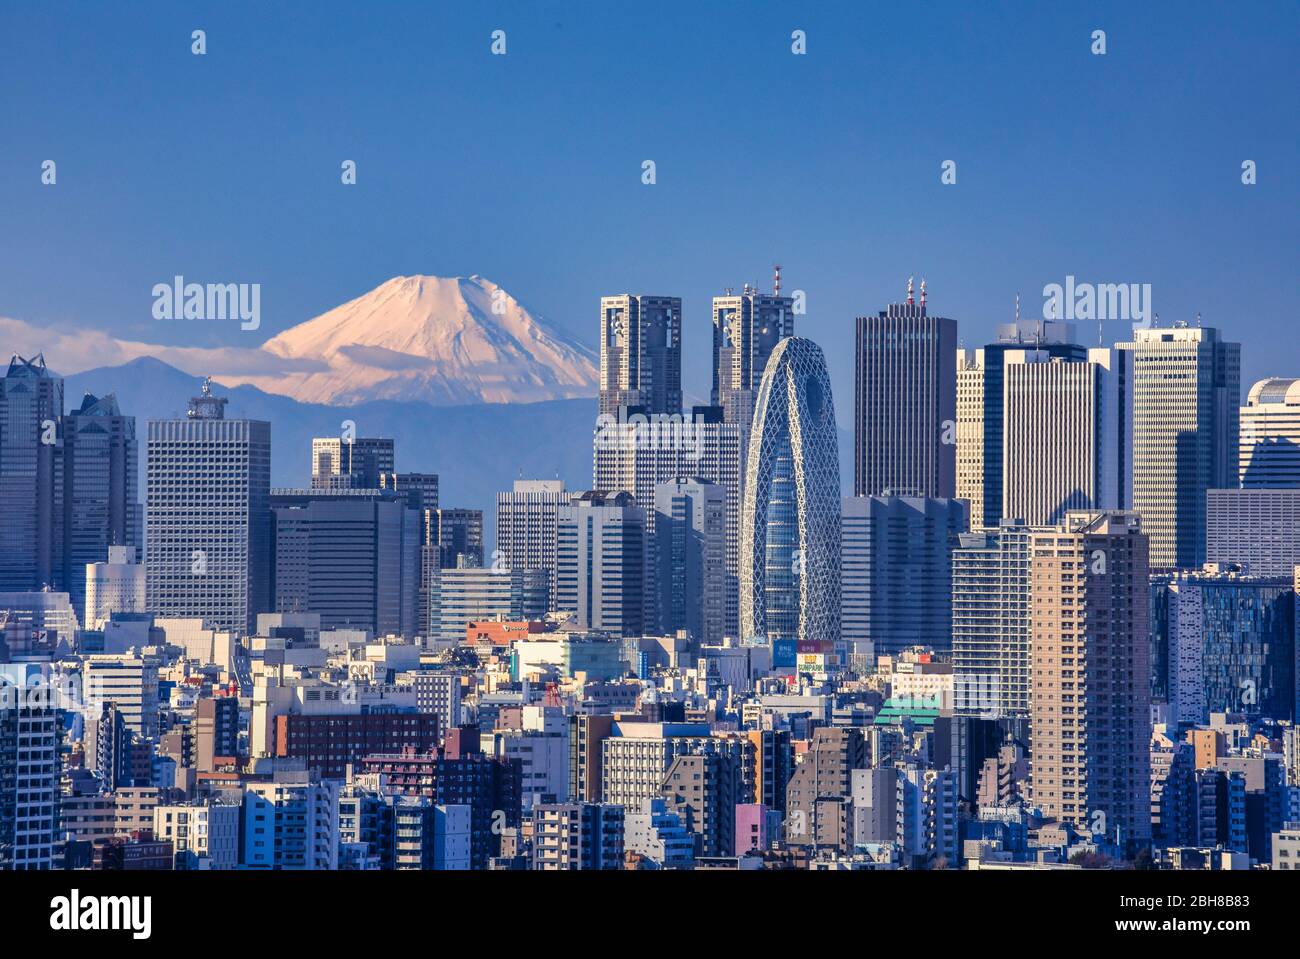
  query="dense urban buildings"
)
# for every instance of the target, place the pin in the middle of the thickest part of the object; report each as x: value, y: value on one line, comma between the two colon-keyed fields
x: 350, y: 462
x: 712, y: 659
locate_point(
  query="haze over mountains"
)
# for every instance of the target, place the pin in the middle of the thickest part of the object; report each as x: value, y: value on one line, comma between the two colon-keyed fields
x: 448, y: 341
x: 467, y: 382
x: 477, y: 450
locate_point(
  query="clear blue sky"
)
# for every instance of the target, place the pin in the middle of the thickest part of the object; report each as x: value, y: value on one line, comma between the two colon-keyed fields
x: 526, y: 168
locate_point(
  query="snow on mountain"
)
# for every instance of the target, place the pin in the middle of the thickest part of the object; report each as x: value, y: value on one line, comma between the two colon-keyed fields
x: 441, y: 340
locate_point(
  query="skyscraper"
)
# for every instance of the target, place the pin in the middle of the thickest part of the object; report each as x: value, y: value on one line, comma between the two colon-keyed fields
x: 690, y: 550
x: 601, y: 564
x: 527, y: 520
x: 1269, y: 456
x: 990, y: 622
x: 1186, y: 391
x: 31, y: 477
x: 905, y: 402
x: 1091, y: 695
x: 641, y: 353
x: 350, y: 555
x: 636, y: 453
x: 746, y: 328
x: 208, y: 539
x: 1067, y: 434
x: 357, y: 463
x: 980, y: 420
x: 896, y: 569
x: 790, y: 522
x: 99, y: 468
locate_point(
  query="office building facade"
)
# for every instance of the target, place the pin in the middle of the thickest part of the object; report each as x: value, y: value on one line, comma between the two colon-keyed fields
x: 905, y: 402
x: 208, y: 521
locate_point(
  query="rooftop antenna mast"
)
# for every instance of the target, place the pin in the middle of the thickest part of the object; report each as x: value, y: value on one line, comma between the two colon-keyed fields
x: 910, y: 301
x: 776, y: 280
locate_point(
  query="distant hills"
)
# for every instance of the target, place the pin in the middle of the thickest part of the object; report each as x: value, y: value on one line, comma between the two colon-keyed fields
x: 476, y: 450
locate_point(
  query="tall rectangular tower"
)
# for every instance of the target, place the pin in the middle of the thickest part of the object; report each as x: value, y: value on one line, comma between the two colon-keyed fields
x: 905, y: 403
x: 637, y: 454
x: 641, y: 353
x: 896, y: 569
x: 990, y: 622
x: 746, y: 328
x: 208, y: 520
x: 1091, y: 695
x: 100, y: 508
x: 1186, y: 396
x: 690, y: 551
x: 601, y: 555
x: 1066, y: 434
x: 980, y: 413
x: 31, y: 477
x: 527, y: 519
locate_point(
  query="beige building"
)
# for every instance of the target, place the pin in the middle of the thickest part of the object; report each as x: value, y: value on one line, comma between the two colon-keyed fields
x: 1090, y: 701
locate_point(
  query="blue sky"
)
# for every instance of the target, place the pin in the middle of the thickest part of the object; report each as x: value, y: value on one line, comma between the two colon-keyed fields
x: 526, y: 168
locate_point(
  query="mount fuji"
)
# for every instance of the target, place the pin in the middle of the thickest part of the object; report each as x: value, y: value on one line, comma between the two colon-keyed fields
x: 446, y: 341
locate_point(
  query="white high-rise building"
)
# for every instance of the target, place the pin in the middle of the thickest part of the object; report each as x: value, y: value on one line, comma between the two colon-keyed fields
x: 208, y: 540
x: 602, y: 569
x: 1186, y: 411
x: 527, y: 517
x: 202, y: 836
x: 1269, y: 456
x: 980, y: 433
x: 291, y: 823
x: 30, y: 738
x: 117, y: 586
x: 1067, y: 434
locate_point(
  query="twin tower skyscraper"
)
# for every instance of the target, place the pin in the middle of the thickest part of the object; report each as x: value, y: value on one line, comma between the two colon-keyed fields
x: 773, y: 415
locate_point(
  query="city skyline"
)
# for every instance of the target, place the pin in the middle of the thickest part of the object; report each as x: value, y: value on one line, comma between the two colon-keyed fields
x: 420, y: 452
x: 1025, y: 161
